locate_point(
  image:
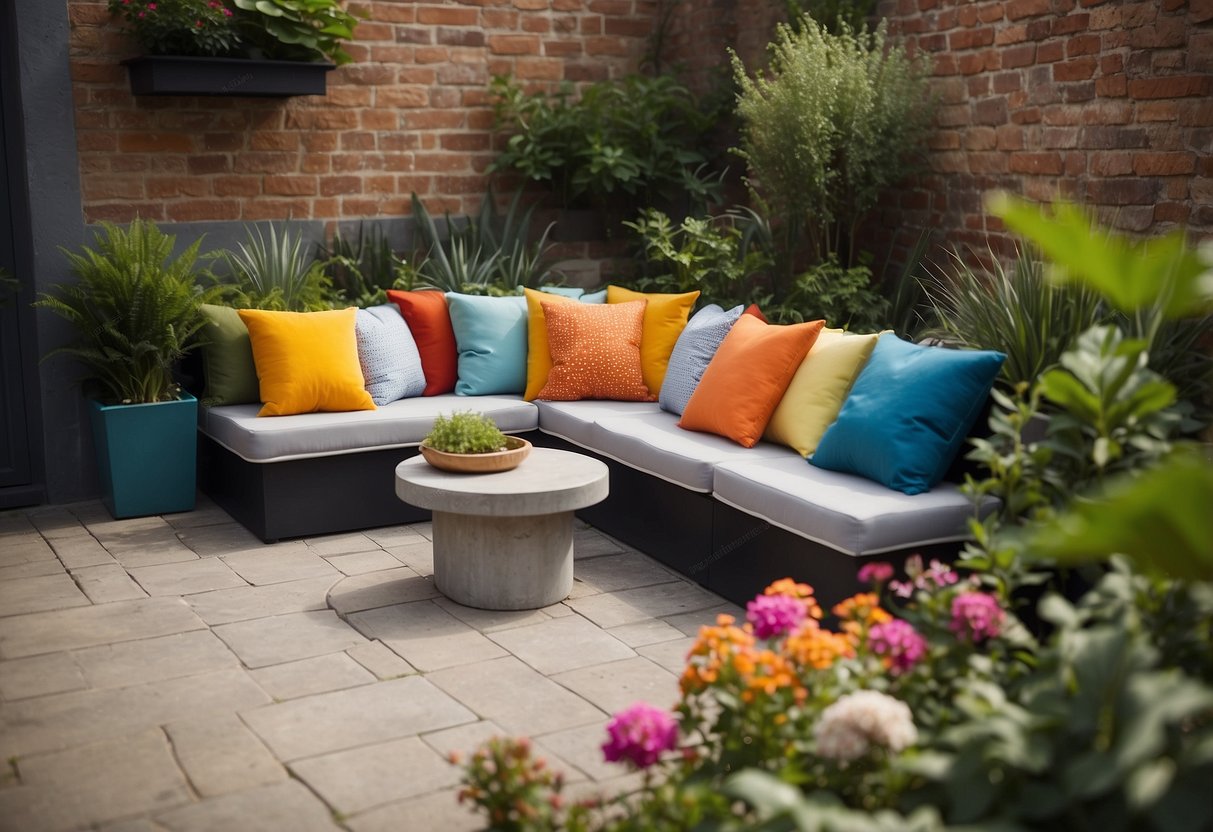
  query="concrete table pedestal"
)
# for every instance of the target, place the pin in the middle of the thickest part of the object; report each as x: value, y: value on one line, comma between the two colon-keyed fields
x: 504, y: 541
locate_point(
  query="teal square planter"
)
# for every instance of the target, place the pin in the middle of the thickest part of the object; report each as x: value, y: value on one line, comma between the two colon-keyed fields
x: 146, y: 456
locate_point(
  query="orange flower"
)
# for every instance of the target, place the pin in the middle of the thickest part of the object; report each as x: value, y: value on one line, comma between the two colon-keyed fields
x: 786, y: 586
x: 817, y: 648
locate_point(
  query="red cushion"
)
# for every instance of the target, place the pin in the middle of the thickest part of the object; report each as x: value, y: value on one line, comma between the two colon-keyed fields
x: 430, y: 322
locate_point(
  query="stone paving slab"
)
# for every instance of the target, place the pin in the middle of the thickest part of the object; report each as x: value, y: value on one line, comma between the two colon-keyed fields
x: 672, y: 655
x: 46, y: 592
x: 79, y: 551
x: 437, y: 811
x: 53, y: 723
x: 426, y: 636
x: 30, y: 569
x: 490, y: 621
x: 643, y: 633
x: 632, y: 605
x: 228, y: 538
x: 361, y: 563
x: 690, y: 622
x: 389, y: 536
x: 418, y: 556
x: 588, y: 543
x: 40, y: 676
x: 560, y: 644
x: 518, y: 698
x: 23, y: 548
x: 220, y: 754
x: 273, y: 566
x: 154, y: 659
x: 49, y: 632
x: 285, y: 638
x: 628, y: 570
x: 362, y: 778
x: 380, y: 589
x: 96, y: 783
x: 225, y: 606
x: 340, y: 544
x: 464, y: 740
x: 581, y: 747
x: 107, y: 583
x: 186, y: 578
x: 359, y: 716
x: 376, y: 657
x: 275, y: 808
x: 617, y: 685
x: 321, y: 674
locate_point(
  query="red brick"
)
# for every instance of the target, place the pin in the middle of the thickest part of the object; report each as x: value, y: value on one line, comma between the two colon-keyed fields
x: 1050, y: 52
x: 1166, y: 110
x: 1070, y: 23
x: 1174, y: 87
x: 514, y: 44
x: 1077, y: 70
x: 971, y: 38
x: 1122, y: 191
x: 203, y: 209
x: 1112, y: 138
x: 1175, y: 212
x: 1111, y: 164
x: 446, y: 16
x: 1049, y: 164
x: 1016, y: 9
x: 1010, y: 34
x: 1112, y: 86
x: 1017, y: 56
x: 154, y: 143
x: 290, y: 185
x: 1083, y: 45
x: 1163, y: 164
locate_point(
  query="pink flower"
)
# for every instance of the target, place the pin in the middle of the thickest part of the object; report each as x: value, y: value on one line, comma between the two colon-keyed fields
x: 227, y: 12
x: 900, y: 642
x: 151, y: 7
x: 639, y: 733
x: 877, y: 572
x: 942, y: 574
x: 775, y: 615
x: 976, y: 616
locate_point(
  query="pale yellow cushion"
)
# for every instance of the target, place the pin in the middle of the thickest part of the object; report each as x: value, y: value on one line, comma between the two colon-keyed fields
x: 306, y: 361
x: 664, y: 319
x: 818, y: 389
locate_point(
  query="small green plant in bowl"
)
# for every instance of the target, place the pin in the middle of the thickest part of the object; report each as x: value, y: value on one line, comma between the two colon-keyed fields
x: 472, y: 443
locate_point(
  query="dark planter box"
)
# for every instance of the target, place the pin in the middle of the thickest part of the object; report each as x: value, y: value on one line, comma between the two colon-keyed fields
x: 175, y: 75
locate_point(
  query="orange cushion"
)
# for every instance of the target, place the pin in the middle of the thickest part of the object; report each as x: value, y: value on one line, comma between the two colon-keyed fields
x: 664, y: 319
x: 429, y: 320
x: 595, y: 351
x: 538, y: 357
x: 306, y: 361
x: 747, y: 377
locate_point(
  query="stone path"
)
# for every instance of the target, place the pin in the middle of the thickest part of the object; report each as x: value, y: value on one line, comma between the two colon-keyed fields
x: 175, y: 673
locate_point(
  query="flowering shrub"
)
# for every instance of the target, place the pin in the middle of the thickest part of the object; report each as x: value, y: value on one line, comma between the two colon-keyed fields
x: 640, y: 734
x: 179, y: 27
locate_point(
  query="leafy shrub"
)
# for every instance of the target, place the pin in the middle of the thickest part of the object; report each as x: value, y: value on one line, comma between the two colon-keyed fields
x: 826, y: 130
x: 297, y: 30
x: 635, y: 139
x: 844, y: 297
x: 364, y: 268
x: 465, y: 432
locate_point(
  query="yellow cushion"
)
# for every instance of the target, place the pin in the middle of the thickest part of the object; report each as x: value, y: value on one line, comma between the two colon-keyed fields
x: 538, y: 352
x: 817, y: 391
x: 595, y: 352
x: 664, y: 319
x: 306, y: 361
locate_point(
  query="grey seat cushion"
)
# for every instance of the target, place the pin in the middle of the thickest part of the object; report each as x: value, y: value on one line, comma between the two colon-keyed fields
x: 653, y: 443
x: 575, y: 421
x: 398, y: 424
x: 843, y: 511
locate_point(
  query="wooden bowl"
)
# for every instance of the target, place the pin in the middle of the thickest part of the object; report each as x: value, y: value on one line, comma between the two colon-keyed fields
x: 516, y: 450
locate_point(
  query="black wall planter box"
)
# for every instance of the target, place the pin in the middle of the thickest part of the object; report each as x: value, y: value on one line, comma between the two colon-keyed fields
x: 175, y: 75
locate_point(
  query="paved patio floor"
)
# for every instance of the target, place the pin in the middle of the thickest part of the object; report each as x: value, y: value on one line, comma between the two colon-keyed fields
x: 174, y: 673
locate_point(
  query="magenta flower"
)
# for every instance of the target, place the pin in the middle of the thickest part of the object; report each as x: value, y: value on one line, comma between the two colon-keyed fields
x: 877, y: 572
x: 775, y: 615
x: 976, y: 616
x: 942, y: 574
x: 900, y: 642
x: 639, y: 733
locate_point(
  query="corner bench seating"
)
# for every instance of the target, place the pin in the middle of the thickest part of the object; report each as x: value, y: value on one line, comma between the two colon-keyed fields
x: 729, y: 517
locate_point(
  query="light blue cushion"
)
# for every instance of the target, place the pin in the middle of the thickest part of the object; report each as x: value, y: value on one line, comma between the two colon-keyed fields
x: 692, y: 353
x: 594, y: 297
x: 908, y: 414
x: 391, y: 365
x: 490, y: 334
x: 564, y: 291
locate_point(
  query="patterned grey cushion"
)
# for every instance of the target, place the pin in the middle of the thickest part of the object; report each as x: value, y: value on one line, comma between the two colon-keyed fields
x: 693, y: 351
x: 391, y: 365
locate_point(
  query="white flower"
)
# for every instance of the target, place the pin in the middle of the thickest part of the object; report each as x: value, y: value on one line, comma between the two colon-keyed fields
x: 856, y: 722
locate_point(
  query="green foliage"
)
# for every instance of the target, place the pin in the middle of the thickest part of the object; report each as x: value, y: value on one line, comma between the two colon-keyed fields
x: 297, y: 30
x: 135, y: 309
x: 487, y: 252
x: 364, y: 268
x: 633, y: 140
x: 9, y: 286
x: 278, y: 273
x: 910, y: 314
x: 833, y: 14
x: 708, y: 254
x: 465, y: 432
x: 843, y: 296
x: 1015, y: 310
x: 827, y: 130
x: 179, y: 27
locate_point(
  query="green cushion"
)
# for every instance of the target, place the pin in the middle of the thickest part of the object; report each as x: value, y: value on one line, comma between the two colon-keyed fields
x: 227, y: 359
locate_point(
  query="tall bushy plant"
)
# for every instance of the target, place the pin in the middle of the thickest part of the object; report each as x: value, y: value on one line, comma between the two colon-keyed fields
x: 826, y: 129
x: 136, y: 310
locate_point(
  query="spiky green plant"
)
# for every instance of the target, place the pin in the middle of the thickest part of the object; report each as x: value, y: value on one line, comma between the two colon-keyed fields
x: 278, y: 273
x: 135, y: 309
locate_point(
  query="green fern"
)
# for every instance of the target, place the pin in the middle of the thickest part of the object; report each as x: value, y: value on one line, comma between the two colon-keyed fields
x: 135, y: 310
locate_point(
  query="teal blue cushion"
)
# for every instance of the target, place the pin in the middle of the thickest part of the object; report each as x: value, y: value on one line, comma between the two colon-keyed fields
x: 490, y: 334
x: 908, y: 414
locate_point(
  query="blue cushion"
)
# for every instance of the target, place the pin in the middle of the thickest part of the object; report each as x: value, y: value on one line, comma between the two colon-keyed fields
x: 908, y: 414
x: 391, y: 364
x: 490, y: 334
x: 564, y: 291
x: 692, y: 353
x: 594, y: 297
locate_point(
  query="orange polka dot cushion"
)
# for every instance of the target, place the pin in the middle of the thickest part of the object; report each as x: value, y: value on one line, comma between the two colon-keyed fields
x: 595, y: 351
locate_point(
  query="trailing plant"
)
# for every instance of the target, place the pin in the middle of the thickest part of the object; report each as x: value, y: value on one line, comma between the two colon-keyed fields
x: 705, y: 253
x: 364, y: 268
x: 465, y: 432
x: 825, y: 131
x: 278, y: 273
x: 297, y: 30
x: 628, y: 141
x: 487, y: 252
x: 135, y: 309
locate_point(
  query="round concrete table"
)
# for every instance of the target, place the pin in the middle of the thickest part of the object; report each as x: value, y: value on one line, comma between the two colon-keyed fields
x: 504, y: 541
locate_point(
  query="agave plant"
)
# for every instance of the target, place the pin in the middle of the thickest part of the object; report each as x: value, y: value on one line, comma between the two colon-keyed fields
x: 365, y: 267
x: 135, y: 309
x: 278, y: 272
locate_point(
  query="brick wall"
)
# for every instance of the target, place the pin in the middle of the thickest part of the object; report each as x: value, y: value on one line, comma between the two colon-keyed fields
x: 410, y: 114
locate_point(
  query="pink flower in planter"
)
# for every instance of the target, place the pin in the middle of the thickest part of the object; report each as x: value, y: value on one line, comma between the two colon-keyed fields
x: 775, y: 615
x: 877, y: 572
x: 899, y: 642
x: 639, y: 733
x: 976, y: 616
